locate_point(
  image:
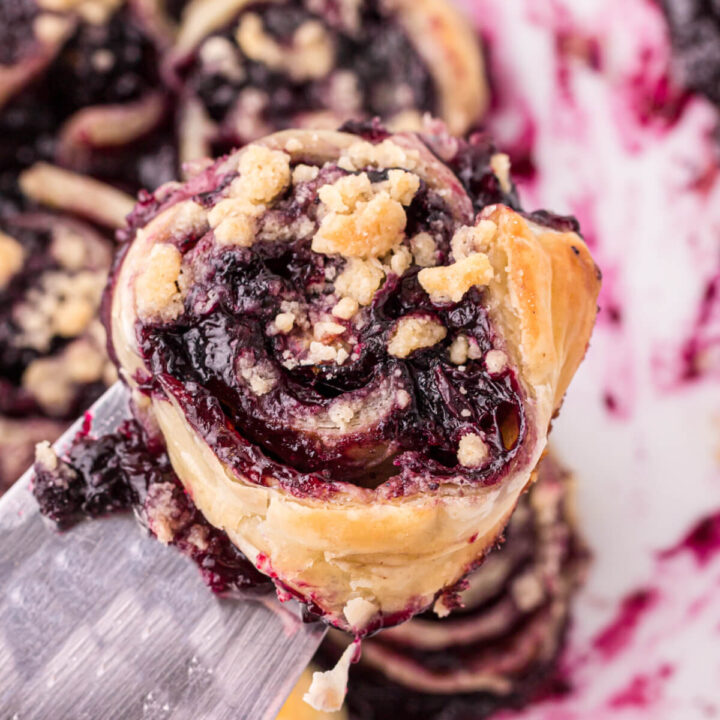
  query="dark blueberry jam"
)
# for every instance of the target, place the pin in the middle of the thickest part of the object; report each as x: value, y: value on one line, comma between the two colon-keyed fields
x: 81, y: 77
x: 128, y: 470
x: 242, y: 290
x: 472, y: 166
x: 389, y: 74
x: 16, y: 29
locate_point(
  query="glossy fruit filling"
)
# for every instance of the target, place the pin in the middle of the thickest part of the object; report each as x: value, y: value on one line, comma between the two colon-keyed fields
x: 264, y: 402
x: 127, y: 470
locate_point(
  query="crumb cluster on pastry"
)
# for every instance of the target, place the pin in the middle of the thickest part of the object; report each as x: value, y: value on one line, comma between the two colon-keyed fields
x: 494, y: 643
x: 246, y: 69
x: 353, y: 349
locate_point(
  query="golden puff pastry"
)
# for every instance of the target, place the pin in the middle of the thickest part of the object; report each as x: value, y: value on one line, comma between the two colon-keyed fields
x: 245, y: 69
x: 353, y: 350
x: 498, y: 637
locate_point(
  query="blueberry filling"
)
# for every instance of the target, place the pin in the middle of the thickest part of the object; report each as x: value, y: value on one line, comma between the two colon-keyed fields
x: 16, y: 29
x: 230, y: 307
x: 388, y: 75
x: 127, y: 470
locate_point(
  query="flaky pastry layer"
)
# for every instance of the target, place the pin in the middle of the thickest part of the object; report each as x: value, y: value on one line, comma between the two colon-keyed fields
x: 362, y: 555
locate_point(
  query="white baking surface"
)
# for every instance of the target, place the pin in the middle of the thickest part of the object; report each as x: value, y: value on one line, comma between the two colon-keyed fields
x: 649, y: 470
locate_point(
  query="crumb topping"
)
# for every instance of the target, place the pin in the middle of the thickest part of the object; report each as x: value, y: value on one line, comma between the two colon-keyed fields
x: 327, y: 329
x: 459, y: 350
x: 45, y: 456
x: 360, y: 280
x: 472, y: 450
x: 219, y: 54
x: 473, y: 238
x: 344, y: 92
x: 403, y: 186
x: 264, y: 174
x: 63, y: 304
x: 53, y: 380
x: 164, y: 514
x: 69, y: 249
x: 345, y: 308
x: 11, y: 258
x: 341, y: 413
x: 284, y: 322
x: 157, y: 288
x: 364, y: 219
x: 232, y: 226
x: 500, y: 165
x: 372, y: 229
x: 496, y: 361
x: 327, y: 690
x: 424, y: 249
x: 441, y: 607
x: 343, y: 195
x: 319, y: 353
x: 358, y: 612
x: 259, y: 376
x: 309, y: 56
x: 449, y: 283
x: 304, y: 173
x: 400, y: 260
x: 50, y: 29
x: 414, y: 332
x: 387, y: 154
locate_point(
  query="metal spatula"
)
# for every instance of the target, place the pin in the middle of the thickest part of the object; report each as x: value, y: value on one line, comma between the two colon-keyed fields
x: 102, y: 622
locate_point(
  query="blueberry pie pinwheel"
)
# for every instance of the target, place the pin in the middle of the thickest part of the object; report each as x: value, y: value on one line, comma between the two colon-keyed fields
x: 245, y: 69
x: 54, y: 259
x: 353, y: 344
x: 80, y: 86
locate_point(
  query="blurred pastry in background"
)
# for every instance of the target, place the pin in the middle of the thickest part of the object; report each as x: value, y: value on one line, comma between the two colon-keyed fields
x: 54, y: 258
x: 244, y: 70
x: 492, y: 646
x: 80, y: 86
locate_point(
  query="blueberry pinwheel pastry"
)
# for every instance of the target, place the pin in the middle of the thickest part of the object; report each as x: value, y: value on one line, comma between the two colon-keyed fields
x: 353, y: 344
x: 245, y: 69
x: 80, y: 86
x: 496, y: 644
x: 54, y: 258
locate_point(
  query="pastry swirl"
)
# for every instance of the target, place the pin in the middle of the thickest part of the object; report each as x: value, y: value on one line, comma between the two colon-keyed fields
x: 353, y: 350
x: 245, y: 69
